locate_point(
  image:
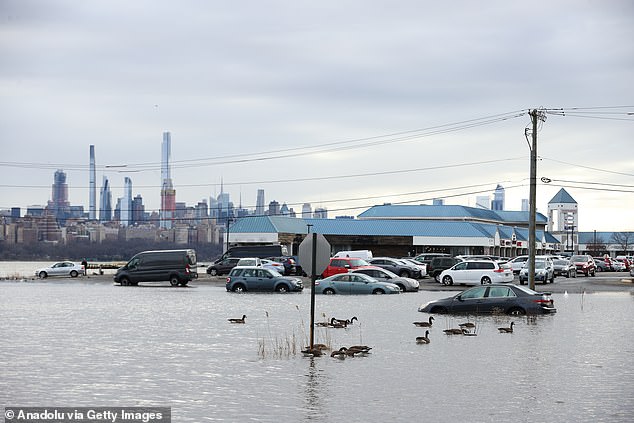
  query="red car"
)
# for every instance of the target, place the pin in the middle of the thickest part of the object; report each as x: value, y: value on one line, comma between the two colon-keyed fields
x: 343, y: 264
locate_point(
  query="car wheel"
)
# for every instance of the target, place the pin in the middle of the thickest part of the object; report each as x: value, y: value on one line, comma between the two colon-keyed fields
x: 437, y: 277
x: 378, y: 291
x: 329, y: 291
x: 552, y: 279
x: 184, y: 283
x: 404, y: 274
x: 593, y: 273
x: 516, y: 311
x: 124, y: 281
x: 522, y: 281
x: 485, y: 280
x: 174, y: 281
x: 447, y: 280
x: 400, y: 285
x: 74, y: 274
x: 42, y: 275
x: 574, y: 273
x: 599, y: 269
x: 213, y: 272
x: 282, y: 288
x: 239, y: 288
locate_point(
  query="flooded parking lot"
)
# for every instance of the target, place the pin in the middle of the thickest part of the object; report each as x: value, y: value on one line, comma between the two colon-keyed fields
x: 88, y: 342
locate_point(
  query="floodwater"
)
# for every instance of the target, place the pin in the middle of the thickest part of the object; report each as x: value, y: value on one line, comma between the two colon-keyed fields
x: 84, y: 343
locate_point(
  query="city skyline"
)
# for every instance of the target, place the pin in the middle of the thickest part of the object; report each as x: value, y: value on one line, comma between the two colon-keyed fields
x: 316, y: 103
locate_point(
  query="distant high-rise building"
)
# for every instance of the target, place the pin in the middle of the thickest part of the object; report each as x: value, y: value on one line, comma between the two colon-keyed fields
x: 498, y: 198
x: 259, y: 204
x: 274, y: 208
x: 59, y: 205
x: 168, y: 193
x: 321, y: 213
x: 284, y: 210
x: 525, y: 205
x: 483, y: 202
x: 307, y: 211
x: 138, y: 209
x: 126, y: 203
x: 92, y: 189
x: 105, y: 202
x: 438, y: 202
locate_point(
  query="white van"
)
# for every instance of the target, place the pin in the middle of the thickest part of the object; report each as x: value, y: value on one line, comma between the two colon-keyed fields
x: 362, y: 254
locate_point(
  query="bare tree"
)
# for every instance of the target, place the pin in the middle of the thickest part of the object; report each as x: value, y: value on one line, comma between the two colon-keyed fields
x: 624, y: 240
x: 596, y: 247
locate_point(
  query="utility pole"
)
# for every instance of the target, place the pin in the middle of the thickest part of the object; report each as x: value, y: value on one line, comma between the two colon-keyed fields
x: 535, y: 117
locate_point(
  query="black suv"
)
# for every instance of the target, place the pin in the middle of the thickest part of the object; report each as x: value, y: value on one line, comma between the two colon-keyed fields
x: 222, y: 267
x: 438, y: 264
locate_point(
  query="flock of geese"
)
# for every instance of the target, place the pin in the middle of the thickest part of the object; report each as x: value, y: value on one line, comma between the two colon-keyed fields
x: 465, y: 329
x: 317, y: 350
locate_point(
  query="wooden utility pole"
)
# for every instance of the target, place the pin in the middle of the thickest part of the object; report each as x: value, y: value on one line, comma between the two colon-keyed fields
x: 535, y: 116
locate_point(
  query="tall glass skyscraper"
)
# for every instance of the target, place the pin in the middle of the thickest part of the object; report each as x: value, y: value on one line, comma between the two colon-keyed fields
x: 105, y: 202
x: 126, y: 203
x: 92, y: 188
x: 168, y: 193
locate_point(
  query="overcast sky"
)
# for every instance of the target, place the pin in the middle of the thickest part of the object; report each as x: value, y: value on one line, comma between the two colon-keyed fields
x: 342, y: 104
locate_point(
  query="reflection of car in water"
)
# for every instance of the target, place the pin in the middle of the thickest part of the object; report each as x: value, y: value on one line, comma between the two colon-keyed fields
x: 506, y: 298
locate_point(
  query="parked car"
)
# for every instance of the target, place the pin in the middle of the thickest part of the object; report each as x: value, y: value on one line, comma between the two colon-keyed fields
x: 354, y: 283
x: 222, y: 266
x: 290, y: 264
x: 631, y: 270
x: 544, y: 270
x: 62, y: 268
x: 626, y: 262
x: 384, y: 275
x: 250, y: 261
x: 427, y: 257
x: 564, y: 267
x: 440, y: 263
x: 477, y: 272
x: 255, y: 278
x: 517, y: 263
x: 273, y: 265
x: 421, y: 266
x: 618, y: 266
x: 507, y: 299
x: 343, y: 265
x: 601, y: 265
x: 176, y: 266
x: 397, y: 266
x: 585, y: 264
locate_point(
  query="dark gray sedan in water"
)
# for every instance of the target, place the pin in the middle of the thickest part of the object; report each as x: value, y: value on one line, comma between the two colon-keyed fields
x: 502, y: 299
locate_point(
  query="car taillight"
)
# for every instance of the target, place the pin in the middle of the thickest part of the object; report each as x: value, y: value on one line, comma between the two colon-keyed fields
x: 228, y: 279
x: 543, y: 301
x: 187, y: 268
x: 500, y: 270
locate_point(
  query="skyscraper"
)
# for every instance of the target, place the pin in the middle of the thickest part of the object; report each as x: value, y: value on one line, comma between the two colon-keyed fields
x: 498, y: 198
x: 307, y: 211
x: 59, y: 204
x: 105, y: 202
x: 259, y: 204
x: 92, y: 206
x: 126, y: 203
x: 168, y: 193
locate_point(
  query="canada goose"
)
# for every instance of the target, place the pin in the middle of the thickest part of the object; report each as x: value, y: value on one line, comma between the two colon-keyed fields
x: 423, y: 339
x: 454, y: 331
x: 244, y: 316
x: 335, y: 323
x: 319, y: 347
x: 312, y: 352
x: 340, y: 353
x: 425, y: 324
x: 360, y: 348
x: 467, y: 333
x: 468, y: 325
x: 346, y: 322
x: 507, y: 330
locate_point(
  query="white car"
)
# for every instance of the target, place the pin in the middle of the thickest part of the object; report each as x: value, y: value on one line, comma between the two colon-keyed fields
x: 517, y: 263
x: 273, y: 265
x: 477, y: 272
x: 422, y: 266
x: 63, y: 268
x: 250, y: 261
x: 384, y: 275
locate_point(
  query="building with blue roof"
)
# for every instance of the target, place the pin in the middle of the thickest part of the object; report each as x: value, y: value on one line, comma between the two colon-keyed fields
x: 401, y: 230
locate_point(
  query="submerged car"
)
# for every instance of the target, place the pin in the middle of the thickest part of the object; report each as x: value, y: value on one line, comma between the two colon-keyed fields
x: 354, y: 283
x: 62, y: 268
x: 503, y: 299
x: 256, y: 278
x: 384, y: 275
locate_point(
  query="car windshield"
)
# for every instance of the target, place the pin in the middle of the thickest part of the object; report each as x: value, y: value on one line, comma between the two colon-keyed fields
x: 358, y: 262
x: 561, y: 262
x: 540, y: 264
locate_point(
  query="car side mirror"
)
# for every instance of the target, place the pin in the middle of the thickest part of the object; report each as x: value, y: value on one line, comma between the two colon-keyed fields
x: 459, y: 298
